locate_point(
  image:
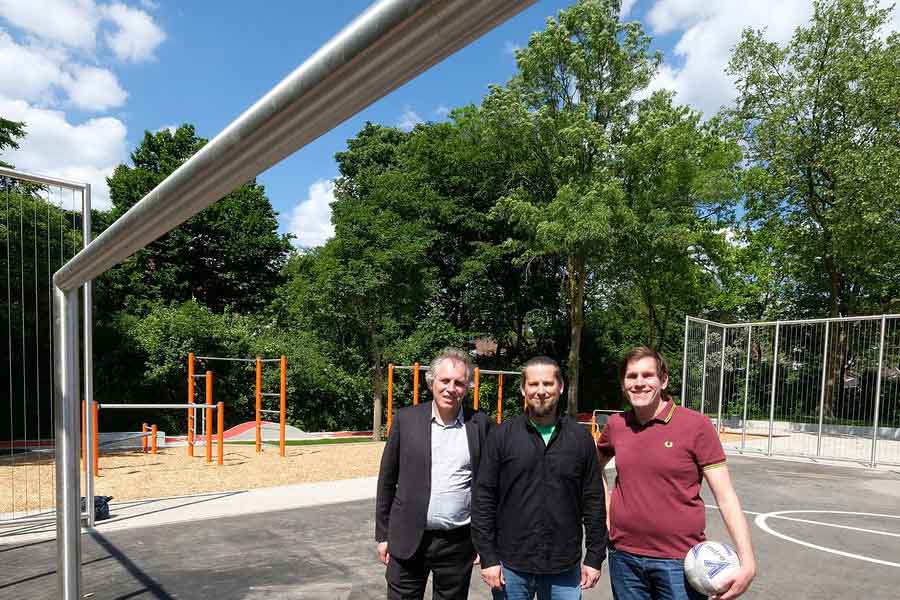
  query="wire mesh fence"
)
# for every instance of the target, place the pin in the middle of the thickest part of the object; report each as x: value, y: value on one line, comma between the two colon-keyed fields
x: 40, y: 229
x: 827, y: 388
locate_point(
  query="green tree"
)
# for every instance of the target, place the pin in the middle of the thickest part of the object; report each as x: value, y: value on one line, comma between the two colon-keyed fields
x: 562, y: 118
x: 228, y: 255
x: 820, y: 123
x: 10, y: 134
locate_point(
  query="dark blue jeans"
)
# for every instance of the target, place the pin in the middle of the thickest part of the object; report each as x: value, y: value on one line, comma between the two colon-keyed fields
x: 524, y: 586
x: 636, y: 577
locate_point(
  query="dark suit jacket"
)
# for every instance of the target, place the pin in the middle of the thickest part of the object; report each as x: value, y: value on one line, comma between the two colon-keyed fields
x: 404, y: 481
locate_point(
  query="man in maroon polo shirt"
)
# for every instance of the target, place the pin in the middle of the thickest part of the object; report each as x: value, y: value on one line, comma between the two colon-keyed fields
x: 655, y: 513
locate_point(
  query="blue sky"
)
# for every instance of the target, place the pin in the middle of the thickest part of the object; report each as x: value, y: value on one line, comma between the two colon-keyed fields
x: 89, y: 77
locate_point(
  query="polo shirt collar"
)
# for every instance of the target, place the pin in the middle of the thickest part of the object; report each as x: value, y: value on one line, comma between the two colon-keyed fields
x: 663, y: 416
x: 437, y: 418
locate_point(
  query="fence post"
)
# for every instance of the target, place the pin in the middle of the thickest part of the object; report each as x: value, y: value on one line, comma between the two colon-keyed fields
x: 84, y: 463
x: 684, y: 359
x: 390, y: 397
x: 500, y: 398
x: 144, y: 429
x: 703, y: 378
x: 477, y: 387
x: 208, y: 415
x: 774, y: 385
x: 282, y: 407
x: 746, y: 390
x: 258, y: 405
x: 874, y: 461
x: 415, y: 384
x: 220, y: 417
x: 190, y: 412
x: 153, y: 431
x: 822, y: 391
x: 722, y: 376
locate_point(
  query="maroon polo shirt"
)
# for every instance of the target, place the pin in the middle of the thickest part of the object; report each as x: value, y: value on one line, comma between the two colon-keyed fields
x: 656, y: 509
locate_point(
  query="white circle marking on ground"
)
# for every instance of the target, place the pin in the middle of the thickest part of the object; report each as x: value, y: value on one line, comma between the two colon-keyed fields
x: 761, y: 522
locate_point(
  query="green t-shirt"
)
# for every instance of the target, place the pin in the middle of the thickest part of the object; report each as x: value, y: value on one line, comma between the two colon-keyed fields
x: 545, y: 430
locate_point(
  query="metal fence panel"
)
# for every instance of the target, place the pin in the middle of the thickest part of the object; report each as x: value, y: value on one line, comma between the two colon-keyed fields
x: 826, y: 388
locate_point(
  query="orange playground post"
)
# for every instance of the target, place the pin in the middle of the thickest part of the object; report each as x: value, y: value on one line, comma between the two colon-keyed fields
x: 153, y: 439
x: 144, y: 429
x: 415, y: 383
x: 220, y: 409
x: 477, y: 389
x: 209, y: 403
x: 96, y: 453
x: 390, y: 397
x: 500, y: 398
x: 190, y: 411
x: 283, y: 405
x: 258, y: 405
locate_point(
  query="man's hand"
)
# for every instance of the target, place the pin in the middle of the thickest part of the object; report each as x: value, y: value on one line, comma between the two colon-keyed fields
x: 493, y: 576
x: 589, y: 577
x: 383, y: 555
x: 737, y: 583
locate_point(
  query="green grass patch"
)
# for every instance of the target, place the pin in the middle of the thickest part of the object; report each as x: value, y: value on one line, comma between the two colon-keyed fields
x: 344, y: 440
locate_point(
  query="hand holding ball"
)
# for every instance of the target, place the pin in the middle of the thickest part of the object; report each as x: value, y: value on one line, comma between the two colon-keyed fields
x: 707, y: 564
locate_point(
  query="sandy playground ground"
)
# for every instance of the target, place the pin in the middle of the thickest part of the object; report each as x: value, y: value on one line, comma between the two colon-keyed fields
x: 29, y: 482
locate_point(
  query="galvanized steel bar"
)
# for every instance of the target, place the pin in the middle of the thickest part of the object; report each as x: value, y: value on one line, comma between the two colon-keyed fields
x: 822, y: 391
x: 88, y: 359
x: 703, y: 378
x: 874, y: 461
x: 68, y: 488
x: 774, y: 386
x: 721, y: 376
x: 41, y: 179
x: 386, y: 46
x: 746, y: 390
x: 687, y: 324
x: 107, y: 406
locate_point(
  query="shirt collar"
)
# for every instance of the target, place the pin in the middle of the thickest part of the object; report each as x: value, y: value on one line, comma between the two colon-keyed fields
x: 437, y: 418
x: 663, y: 416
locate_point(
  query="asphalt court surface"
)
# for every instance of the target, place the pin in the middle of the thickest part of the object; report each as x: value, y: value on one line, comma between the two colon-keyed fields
x: 849, y: 549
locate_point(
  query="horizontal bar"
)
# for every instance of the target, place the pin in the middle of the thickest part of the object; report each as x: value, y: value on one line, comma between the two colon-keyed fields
x: 270, y: 412
x: 253, y: 360
x: 276, y: 394
x: 198, y: 406
x: 43, y: 179
x: 199, y: 376
x: 482, y: 371
x: 389, y: 44
x: 795, y: 321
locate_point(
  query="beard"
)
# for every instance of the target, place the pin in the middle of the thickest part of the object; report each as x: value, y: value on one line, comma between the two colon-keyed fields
x: 541, y: 409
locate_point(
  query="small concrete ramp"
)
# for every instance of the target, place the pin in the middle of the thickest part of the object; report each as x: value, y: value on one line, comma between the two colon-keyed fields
x: 247, y: 432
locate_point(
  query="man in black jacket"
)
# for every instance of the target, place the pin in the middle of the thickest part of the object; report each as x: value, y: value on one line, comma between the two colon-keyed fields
x: 538, y: 483
x: 422, y: 510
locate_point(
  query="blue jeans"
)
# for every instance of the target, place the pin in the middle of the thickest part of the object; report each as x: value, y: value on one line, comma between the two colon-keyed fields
x: 523, y: 586
x: 636, y: 577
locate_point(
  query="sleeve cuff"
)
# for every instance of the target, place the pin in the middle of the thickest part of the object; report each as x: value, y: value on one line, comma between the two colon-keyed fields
x: 594, y: 560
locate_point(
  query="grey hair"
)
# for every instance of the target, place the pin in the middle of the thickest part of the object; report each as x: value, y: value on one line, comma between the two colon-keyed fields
x: 454, y: 354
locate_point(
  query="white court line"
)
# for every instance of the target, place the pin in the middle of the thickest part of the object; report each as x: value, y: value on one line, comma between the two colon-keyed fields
x: 875, y: 531
x: 762, y: 524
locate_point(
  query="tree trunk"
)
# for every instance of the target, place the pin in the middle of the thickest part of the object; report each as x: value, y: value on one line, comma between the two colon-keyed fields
x: 577, y: 279
x: 377, y: 388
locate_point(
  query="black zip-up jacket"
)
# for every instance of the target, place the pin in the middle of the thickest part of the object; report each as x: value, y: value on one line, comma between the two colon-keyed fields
x: 530, y: 500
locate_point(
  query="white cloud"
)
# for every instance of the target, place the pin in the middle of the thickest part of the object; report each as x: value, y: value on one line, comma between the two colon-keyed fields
x: 27, y: 72
x: 310, y: 220
x: 627, y: 5
x: 149, y: 4
x: 709, y: 32
x: 86, y: 152
x: 409, y: 119
x: 137, y: 35
x: 170, y: 128
x: 71, y: 23
x: 442, y: 111
x: 91, y: 88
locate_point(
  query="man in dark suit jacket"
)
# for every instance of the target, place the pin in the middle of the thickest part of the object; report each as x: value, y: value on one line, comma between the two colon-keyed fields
x: 430, y: 462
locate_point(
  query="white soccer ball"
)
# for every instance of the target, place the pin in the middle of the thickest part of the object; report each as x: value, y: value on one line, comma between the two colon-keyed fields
x: 707, y: 563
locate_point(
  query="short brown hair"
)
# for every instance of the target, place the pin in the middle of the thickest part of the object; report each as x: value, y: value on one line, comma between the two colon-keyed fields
x: 639, y: 352
x: 540, y: 361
